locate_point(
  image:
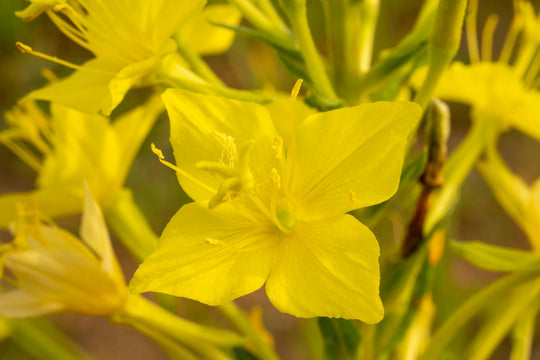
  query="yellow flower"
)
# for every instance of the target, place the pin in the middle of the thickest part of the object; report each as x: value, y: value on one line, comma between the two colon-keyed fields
x: 271, y: 189
x: 504, y: 90
x: 129, y: 39
x: 75, y: 148
x: 51, y: 270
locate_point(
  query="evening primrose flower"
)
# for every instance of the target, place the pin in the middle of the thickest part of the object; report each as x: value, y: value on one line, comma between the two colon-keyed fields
x: 51, y: 270
x: 74, y: 148
x: 129, y: 39
x: 503, y: 90
x: 270, y: 207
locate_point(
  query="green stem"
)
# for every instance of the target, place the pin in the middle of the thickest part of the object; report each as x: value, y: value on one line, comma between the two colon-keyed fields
x: 278, y: 33
x: 130, y: 225
x: 140, y: 313
x: 514, y: 307
x: 173, y: 74
x: 369, y: 14
x: 42, y: 340
x: 522, y: 339
x: 297, y: 13
x: 268, y: 8
x: 197, y: 63
x: 443, y: 45
x: 239, y: 320
x: 474, y: 304
x: 340, y: 20
x: 484, y: 130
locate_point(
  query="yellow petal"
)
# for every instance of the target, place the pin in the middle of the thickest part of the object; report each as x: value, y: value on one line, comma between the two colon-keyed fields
x: 287, y: 114
x: 19, y: 304
x: 83, y: 90
x: 212, y: 256
x: 328, y: 268
x: 208, y: 39
x: 207, y: 128
x: 52, y: 202
x: 94, y: 232
x: 61, y: 275
x: 131, y: 129
x: 348, y: 158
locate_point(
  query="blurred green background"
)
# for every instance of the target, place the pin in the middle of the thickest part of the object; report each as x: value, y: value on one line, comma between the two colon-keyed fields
x: 250, y: 64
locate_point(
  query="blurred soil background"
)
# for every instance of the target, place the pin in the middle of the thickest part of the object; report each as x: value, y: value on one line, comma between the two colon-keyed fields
x: 249, y: 64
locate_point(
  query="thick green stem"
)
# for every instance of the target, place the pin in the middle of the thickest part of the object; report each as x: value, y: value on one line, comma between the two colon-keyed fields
x: 208, y: 342
x: 474, y: 304
x: 443, y: 45
x: 514, y: 307
x: 238, y: 318
x: 173, y: 74
x: 523, y: 334
x: 197, y: 63
x: 297, y: 13
x: 369, y: 14
x: 277, y: 32
x: 42, y: 340
x: 340, y: 20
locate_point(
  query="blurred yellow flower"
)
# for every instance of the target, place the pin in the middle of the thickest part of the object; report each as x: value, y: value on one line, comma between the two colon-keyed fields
x: 75, y: 148
x: 129, y: 39
x: 504, y: 90
x: 270, y: 205
x: 51, y: 270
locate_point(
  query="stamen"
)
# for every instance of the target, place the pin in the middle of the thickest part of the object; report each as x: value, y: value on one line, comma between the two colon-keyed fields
x: 161, y: 158
x: 513, y: 32
x: 296, y: 88
x: 487, y: 36
x: 22, y: 152
x: 243, y: 159
x: 230, y: 147
x: 470, y: 29
x: 228, y: 188
x: 533, y: 71
x: 277, y: 147
x: 217, y: 167
x: 212, y: 241
x: 28, y: 50
x: 276, y: 180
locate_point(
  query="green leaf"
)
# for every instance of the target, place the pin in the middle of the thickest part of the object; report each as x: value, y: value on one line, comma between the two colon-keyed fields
x: 493, y: 258
x: 340, y: 336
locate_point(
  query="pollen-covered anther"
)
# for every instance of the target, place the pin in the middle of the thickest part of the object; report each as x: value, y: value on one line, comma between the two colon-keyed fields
x: 212, y: 241
x: 23, y: 47
x: 275, y: 178
x: 157, y: 151
x: 229, y: 147
x: 277, y: 147
x: 229, y: 189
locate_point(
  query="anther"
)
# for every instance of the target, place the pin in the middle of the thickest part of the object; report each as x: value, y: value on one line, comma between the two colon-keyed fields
x: 296, y: 88
x: 227, y: 189
x: 276, y: 180
x: 156, y: 151
x: 212, y: 241
x: 278, y: 147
